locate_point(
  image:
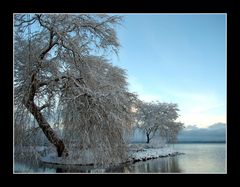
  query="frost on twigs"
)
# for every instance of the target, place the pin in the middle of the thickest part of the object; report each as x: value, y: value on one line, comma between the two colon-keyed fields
x: 158, y: 121
x: 103, y: 118
x: 65, y: 86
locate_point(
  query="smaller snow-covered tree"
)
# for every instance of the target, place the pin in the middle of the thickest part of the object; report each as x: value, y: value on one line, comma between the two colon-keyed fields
x: 157, y: 118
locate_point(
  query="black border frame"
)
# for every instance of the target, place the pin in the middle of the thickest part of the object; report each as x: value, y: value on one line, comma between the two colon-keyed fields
x: 123, y: 6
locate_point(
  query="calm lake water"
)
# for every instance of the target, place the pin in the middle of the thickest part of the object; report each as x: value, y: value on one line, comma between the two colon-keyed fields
x: 198, y: 158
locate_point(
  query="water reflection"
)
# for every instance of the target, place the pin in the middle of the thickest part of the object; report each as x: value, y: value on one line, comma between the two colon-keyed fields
x: 32, y: 167
x: 198, y: 158
x: 166, y: 164
x: 39, y: 167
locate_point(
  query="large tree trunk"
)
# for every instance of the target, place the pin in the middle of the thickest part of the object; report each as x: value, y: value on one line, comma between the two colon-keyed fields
x: 43, y: 124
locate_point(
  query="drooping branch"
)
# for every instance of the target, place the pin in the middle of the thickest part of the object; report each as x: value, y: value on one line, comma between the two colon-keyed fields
x: 77, y: 81
x: 97, y: 110
x: 44, y: 83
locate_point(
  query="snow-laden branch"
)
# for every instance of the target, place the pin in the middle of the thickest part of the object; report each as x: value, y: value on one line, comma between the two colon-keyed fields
x: 60, y: 73
x: 159, y: 119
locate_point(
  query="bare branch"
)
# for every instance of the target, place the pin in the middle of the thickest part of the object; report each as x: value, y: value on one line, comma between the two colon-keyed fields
x: 44, y: 106
x: 23, y: 21
x: 50, y: 45
x: 44, y: 83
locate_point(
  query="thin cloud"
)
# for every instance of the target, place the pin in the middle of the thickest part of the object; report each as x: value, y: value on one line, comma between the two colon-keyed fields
x: 202, y: 109
x: 144, y: 95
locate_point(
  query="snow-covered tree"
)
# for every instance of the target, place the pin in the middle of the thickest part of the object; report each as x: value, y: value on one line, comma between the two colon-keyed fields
x: 61, y: 69
x: 157, y: 118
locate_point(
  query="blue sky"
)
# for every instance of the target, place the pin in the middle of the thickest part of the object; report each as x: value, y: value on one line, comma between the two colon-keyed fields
x: 178, y: 58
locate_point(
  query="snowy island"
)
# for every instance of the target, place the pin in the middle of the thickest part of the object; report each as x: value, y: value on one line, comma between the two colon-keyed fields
x: 144, y: 152
x: 136, y: 153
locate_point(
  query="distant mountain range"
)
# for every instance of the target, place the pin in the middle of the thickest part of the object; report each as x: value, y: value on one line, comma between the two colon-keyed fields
x: 191, y: 134
x: 214, y: 133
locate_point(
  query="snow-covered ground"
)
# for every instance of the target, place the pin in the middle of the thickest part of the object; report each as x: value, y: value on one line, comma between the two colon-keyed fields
x: 83, y: 157
x: 144, y: 152
x: 137, y: 152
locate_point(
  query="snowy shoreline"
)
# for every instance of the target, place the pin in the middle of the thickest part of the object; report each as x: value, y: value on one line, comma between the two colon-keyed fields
x: 140, y: 153
x: 152, y: 154
x: 136, y: 153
